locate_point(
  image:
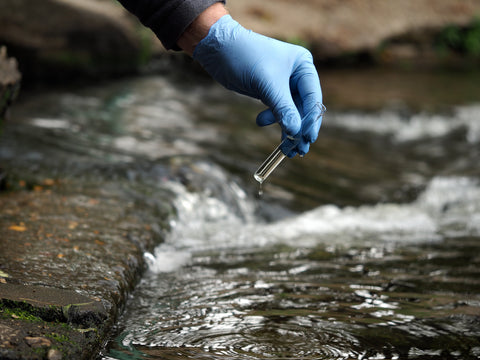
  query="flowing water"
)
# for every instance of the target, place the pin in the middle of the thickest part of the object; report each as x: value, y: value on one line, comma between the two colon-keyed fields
x: 368, y: 248
x: 370, y: 282
x: 379, y: 260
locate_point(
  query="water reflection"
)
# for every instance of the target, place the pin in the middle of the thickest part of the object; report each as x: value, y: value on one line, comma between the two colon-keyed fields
x: 374, y: 282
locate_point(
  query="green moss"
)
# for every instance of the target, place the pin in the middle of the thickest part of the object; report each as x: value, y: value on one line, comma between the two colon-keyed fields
x: 463, y: 40
x: 26, y: 312
x: 320, y: 253
x: 296, y: 40
x: 146, y: 46
x: 18, y: 313
x: 40, y: 351
x: 59, y: 338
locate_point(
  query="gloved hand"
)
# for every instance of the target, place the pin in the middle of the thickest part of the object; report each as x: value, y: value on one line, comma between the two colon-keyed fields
x: 281, y: 75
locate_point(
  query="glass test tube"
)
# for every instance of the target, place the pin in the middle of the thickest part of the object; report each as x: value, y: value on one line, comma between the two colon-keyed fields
x: 276, y: 157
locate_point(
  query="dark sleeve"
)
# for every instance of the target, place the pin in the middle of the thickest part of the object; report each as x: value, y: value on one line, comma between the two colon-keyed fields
x: 168, y: 19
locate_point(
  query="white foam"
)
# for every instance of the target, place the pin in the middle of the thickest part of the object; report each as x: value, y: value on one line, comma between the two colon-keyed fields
x: 448, y: 206
x: 51, y: 123
x: 415, y: 127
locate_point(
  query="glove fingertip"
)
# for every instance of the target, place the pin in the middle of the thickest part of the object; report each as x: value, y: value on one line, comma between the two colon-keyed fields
x: 303, y: 148
x: 311, y: 138
x: 265, y: 118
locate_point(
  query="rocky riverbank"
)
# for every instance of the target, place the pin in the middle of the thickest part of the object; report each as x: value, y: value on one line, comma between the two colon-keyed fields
x: 69, y: 257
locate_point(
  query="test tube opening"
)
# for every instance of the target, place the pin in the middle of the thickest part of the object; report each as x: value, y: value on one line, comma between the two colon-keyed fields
x: 269, y: 165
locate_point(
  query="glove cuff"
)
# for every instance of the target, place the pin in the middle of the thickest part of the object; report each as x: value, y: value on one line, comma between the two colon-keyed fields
x: 216, y: 38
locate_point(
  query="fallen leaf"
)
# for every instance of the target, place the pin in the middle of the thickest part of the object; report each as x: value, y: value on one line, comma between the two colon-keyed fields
x: 3, y: 274
x: 60, y: 256
x: 17, y: 228
x: 72, y: 225
x: 38, y: 341
x: 98, y: 242
x: 49, y: 182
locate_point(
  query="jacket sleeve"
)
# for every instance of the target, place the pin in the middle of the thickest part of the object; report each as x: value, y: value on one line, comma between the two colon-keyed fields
x: 168, y: 19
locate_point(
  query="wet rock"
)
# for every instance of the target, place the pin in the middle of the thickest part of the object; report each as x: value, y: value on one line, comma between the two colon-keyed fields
x: 7, y: 333
x: 55, y: 40
x: 40, y: 317
x: 68, y: 266
x: 54, y: 354
x: 53, y: 304
x: 23, y: 338
x: 9, y: 88
x: 9, y: 84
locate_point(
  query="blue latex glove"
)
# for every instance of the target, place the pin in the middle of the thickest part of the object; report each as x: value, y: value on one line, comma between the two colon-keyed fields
x: 281, y: 75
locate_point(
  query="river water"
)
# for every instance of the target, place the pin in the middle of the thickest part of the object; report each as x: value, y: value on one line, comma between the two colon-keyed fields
x: 367, y: 248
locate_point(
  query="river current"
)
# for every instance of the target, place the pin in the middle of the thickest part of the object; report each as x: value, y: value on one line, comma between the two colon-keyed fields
x: 389, y: 271
x: 367, y: 248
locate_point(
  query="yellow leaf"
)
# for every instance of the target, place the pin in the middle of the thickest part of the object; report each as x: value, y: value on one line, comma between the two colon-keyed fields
x: 3, y: 274
x: 17, y: 228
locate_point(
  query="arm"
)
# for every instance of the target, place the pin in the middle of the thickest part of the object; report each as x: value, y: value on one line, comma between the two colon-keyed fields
x: 168, y: 19
x: 281, y: 75
x: 200, y: 27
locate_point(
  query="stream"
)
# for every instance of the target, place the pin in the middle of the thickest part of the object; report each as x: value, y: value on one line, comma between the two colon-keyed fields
x: 367, y: 248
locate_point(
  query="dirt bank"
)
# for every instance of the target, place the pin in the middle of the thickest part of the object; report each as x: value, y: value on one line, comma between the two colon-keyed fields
x: 334, y: 27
